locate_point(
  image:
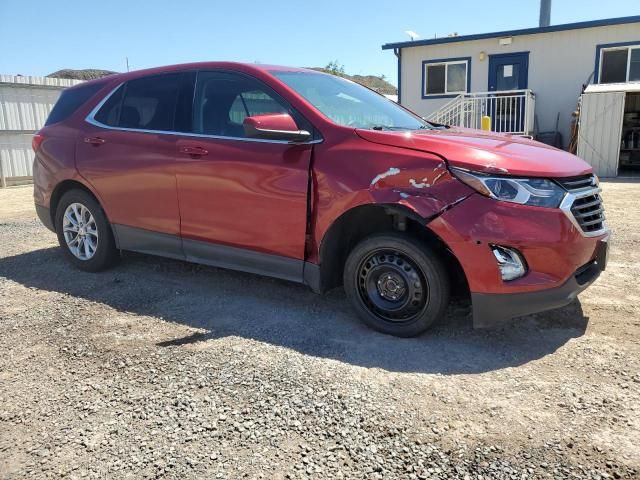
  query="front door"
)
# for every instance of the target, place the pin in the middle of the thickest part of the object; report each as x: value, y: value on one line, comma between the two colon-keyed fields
x: 508, y: 72
x: 243, y: 202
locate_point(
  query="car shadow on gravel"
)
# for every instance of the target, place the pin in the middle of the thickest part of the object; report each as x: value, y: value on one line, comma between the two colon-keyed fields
x: 223, y: 303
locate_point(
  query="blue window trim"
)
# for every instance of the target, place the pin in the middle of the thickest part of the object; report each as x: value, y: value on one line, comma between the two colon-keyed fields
x: 423, y: 87
x: 604, y: 46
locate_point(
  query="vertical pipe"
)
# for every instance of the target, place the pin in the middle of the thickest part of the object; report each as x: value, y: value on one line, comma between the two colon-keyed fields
x: 398, y: 54
x: 545, y: 13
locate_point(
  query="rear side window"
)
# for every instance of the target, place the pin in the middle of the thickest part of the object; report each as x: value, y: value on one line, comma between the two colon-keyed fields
x: 109, y: 113
x: 162, y: 103
x: 70, y: 100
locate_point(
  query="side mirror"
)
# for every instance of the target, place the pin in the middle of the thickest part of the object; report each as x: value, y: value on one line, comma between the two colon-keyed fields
x: 274, y: 126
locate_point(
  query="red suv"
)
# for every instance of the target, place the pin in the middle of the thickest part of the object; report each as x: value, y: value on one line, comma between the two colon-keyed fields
x: 312, y: 178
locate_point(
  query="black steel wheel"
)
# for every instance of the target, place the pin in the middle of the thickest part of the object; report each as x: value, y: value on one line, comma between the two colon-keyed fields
x: 397, y: 285
x: 392, y: 285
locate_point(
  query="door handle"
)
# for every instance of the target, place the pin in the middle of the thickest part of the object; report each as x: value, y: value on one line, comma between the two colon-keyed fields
x: 194, y: 151
x: 94, y: 140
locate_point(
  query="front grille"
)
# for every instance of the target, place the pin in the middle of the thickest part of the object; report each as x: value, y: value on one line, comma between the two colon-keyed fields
x: 589, y: 213
x: 576, y: 183
x: 586, y: 208
x: 586, y: 272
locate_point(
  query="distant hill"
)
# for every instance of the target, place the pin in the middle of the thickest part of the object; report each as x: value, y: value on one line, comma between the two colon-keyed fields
x: 373, y: 82
x: 378, y: 84
x: 86, y: 74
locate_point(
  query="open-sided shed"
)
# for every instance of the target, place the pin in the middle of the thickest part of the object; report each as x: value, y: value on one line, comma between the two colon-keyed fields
x: 609, y: 129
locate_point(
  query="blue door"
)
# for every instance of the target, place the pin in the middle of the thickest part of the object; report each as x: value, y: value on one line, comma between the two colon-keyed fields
x: 508, y: 71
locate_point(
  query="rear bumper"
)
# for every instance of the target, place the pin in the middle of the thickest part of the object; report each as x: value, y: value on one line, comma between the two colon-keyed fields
x: 490, y: 310
x: 44, y: 214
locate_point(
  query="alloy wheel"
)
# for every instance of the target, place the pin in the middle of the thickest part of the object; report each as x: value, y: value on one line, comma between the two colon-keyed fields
x: 80, y: 231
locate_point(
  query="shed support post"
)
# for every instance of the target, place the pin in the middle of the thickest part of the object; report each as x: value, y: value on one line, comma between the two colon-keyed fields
x: 3, y: 180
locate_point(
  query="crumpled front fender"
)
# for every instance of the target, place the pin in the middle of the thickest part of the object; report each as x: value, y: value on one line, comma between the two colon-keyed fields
x: 427, y: 193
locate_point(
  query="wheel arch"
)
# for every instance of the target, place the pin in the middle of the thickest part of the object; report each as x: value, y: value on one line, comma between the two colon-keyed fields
x: 64, y: 187
x: 361, y: 221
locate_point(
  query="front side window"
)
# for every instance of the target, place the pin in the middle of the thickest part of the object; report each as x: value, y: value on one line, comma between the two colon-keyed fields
x: 445, y: 78
x: 348, y: 103
x: 223, y: 100
x: 620, y: 65
x: 157, y: 103
x: 251, y: 103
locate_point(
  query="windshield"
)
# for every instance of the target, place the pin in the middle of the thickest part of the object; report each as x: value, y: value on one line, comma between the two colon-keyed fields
x: 350, y: 104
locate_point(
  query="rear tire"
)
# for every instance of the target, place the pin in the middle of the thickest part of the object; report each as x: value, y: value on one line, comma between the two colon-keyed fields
x: 84, y: 233
x: 396, y: 284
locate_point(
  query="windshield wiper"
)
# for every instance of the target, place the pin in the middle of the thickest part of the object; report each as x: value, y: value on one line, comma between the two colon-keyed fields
x: 389, y: 127
x: 434, y: 126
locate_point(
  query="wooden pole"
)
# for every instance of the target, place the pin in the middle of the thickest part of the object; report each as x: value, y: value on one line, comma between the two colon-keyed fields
x: 3, y: 180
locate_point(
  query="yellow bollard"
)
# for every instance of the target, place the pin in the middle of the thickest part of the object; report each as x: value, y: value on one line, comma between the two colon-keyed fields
x: 486, y: 123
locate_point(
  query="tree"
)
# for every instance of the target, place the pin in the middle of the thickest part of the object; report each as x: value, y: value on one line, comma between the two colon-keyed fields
x: 335, y: 68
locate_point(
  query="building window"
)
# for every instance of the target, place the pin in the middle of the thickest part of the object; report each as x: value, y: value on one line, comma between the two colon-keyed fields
x: 445, y: 77
x: 619, y: 64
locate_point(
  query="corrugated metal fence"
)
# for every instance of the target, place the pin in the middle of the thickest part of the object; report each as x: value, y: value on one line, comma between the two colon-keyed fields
x: 25, y: 103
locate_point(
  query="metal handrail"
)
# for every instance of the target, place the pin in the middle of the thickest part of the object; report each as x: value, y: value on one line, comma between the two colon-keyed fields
x: 511, y: 111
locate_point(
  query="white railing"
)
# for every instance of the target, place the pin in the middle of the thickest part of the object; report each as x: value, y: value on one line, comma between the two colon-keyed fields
x: 511, y: 111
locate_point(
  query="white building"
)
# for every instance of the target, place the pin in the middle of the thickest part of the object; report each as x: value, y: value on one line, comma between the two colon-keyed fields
x: 526, y: 80
x: 25, y: 103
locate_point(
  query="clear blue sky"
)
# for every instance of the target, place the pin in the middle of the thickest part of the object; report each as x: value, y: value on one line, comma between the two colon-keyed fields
x: 38, y: 37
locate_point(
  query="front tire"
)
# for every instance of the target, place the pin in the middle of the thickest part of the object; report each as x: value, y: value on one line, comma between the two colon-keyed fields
x: 84, y: 232
x: 396, y: 284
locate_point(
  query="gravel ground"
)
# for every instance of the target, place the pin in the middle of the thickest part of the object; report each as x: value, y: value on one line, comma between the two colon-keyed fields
x: 159, y: 368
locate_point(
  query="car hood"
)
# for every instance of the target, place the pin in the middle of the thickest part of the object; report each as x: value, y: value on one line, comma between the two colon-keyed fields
x: 485, y: 151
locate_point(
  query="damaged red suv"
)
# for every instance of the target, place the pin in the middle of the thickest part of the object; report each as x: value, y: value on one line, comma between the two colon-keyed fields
x: 311, y: 178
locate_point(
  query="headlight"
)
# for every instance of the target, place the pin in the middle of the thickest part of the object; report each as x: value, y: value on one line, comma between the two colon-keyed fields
x: 538, y: 192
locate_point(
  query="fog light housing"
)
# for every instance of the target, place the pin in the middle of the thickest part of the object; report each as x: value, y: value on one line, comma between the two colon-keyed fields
x: 510, y: 262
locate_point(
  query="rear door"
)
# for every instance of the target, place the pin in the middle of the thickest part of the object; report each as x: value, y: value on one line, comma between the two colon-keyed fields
x: 128, y: 153
x: 243, y: 202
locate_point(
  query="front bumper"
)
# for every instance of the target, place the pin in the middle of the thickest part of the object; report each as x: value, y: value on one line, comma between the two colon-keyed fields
x: 491, y: 310
x: 561, y: 260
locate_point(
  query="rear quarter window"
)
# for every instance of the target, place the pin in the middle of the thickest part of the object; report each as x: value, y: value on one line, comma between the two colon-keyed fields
x: 70, y: 100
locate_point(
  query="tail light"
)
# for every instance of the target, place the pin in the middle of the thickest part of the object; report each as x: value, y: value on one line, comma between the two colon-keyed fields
x: 36, y: 141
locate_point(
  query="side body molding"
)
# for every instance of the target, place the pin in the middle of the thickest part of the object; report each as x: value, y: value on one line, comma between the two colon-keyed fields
x: 216, y: 255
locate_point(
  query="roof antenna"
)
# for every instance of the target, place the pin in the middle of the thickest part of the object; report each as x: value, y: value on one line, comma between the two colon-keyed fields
x: 412, y: 35
x: 127, y: 59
